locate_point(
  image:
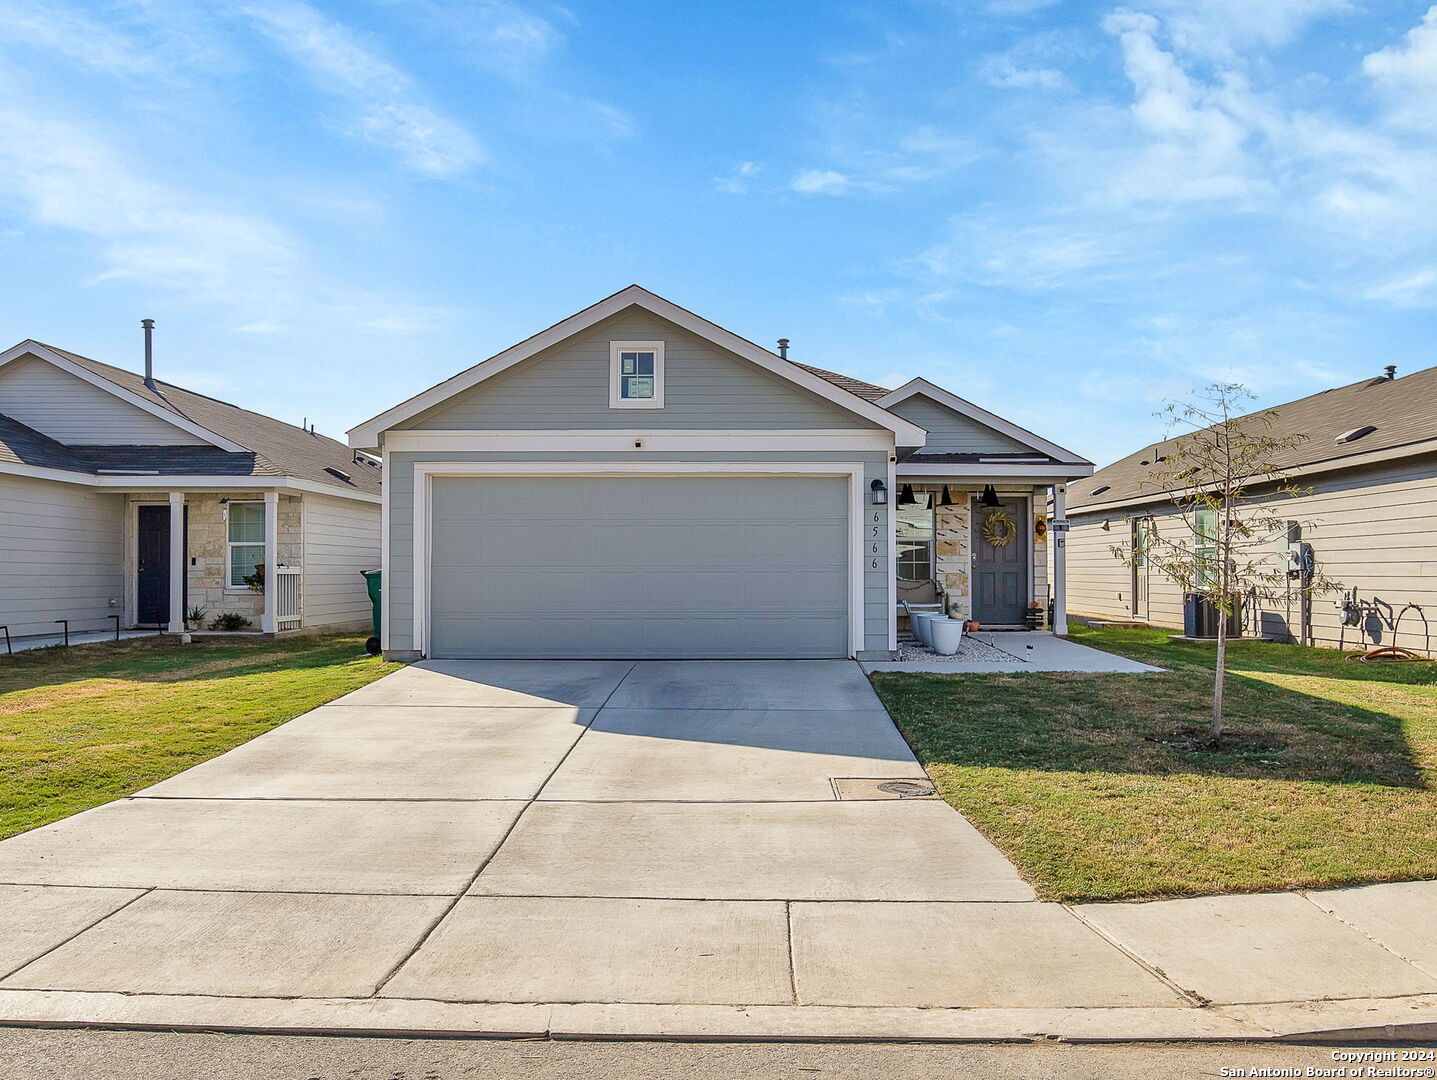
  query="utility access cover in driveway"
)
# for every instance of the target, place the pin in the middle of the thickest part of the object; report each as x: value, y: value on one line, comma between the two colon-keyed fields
x: 473, y: 831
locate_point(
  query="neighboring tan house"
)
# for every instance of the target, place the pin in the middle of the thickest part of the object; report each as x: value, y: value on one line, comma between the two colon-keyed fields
x: 122, y: 496
x: 636, y: 481
x: 1368, y: 467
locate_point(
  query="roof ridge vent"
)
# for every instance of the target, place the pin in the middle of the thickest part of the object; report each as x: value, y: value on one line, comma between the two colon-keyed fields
x: 1356, y: 433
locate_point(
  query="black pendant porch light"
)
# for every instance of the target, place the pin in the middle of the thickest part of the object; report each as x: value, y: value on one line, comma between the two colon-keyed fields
x: 947, y: 499
x: 990, y: 497
x: 905, y: 497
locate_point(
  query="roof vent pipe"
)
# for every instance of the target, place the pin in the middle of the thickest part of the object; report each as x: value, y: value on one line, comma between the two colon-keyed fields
x: 1390, y: 371
x: 783, y: 347
x: 149, y: 325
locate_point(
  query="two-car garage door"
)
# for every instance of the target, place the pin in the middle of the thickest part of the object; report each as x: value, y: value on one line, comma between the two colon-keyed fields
x: 638, y: 566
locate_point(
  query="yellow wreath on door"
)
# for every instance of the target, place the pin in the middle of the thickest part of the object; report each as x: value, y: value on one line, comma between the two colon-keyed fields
x: 999, y: 528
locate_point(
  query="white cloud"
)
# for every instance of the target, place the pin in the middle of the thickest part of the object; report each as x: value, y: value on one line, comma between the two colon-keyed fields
x: 384, y: 102
x: 56, y: 29
x: 521, y: 46
x: 987, y: 251
x: 820, y: 182
x: 153, y: 39
x: 1417, y: 289
x: 495, y: 34
x: 1228, y: 28
x: 924, y: 154
x: 1197, y: 133
x: 1407, y: 74
x: 1004, y: 73
x: 70, y: 178
x: 739, y: 177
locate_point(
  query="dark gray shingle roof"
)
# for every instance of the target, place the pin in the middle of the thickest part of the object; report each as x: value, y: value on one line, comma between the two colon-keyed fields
x: 1402, y: 412
x: 21, y: 445
x: 274, y: 447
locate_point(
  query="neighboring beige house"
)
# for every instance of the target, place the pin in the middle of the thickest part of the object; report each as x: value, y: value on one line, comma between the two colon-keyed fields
x: 125, y: 497
x: 636, y: 481
x: 1369, y: 461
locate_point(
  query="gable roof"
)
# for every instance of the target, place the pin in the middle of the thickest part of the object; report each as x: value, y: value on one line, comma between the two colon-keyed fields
x: 826, y: 385
x: 963, y: 407
x: 244, y: 443
x: 867, y: 391
x: 1401, y: 412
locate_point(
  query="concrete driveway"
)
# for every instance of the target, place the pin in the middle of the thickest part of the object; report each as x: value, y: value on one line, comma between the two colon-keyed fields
x: 477, y: 846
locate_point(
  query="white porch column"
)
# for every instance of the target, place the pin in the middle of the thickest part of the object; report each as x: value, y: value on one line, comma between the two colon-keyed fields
x: 271, y: 561
x: 1060, y: 559
x: 178, y: 558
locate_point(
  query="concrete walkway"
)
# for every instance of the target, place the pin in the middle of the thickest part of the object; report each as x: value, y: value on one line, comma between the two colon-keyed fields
x: 77, y: 637
x: 1029, y: 650
x: 627, y: 850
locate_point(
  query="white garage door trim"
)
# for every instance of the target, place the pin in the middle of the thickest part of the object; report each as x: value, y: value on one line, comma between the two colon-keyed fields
x: 425, y: 472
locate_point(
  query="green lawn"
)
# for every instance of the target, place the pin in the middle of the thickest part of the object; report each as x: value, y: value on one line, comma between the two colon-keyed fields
x: 1100, y: 787
x: 82, y: 726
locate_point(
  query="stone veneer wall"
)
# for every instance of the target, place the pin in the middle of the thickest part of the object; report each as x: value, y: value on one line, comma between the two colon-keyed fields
x: 953, y: 553
x: 208, y: 537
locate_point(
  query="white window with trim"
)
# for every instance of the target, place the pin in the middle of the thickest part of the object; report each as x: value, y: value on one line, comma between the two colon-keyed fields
x: 636, y: 374
x: 245, y: 546
x: 1205, y: 528
x: 914, y: 535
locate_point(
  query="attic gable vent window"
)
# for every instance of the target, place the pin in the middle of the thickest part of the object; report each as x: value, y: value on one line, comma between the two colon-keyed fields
x: 636, y: 374
x: 1356, y: 433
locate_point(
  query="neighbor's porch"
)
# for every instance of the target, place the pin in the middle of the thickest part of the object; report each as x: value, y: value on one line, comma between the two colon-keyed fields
x: 213, y: 554
x: 984, y: 555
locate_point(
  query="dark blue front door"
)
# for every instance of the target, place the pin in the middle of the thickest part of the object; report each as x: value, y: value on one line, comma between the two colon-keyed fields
x: 152, y: 574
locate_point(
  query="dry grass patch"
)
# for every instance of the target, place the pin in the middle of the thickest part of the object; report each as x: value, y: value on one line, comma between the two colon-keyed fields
x: 1101, y: 787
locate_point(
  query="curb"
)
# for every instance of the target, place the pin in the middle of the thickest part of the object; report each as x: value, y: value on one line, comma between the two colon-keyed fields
x: 1408, y: 1019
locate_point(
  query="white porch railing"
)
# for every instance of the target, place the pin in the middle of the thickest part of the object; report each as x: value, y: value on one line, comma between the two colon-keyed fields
x: 287, y: 607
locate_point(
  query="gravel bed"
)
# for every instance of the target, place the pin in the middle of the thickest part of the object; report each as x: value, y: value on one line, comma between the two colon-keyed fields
x: 970, y: 650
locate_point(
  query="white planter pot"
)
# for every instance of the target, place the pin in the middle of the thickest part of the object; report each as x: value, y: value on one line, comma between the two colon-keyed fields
x: 922, y: 627
x: 947, y: 635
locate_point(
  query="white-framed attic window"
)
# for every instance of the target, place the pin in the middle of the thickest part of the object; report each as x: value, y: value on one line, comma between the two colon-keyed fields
x: 636, y: 374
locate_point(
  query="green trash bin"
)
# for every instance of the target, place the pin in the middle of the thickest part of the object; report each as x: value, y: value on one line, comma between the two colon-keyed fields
x: 373, y: 582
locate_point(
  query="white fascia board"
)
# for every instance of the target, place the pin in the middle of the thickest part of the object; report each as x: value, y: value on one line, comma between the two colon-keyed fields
x: 369, y: 434
x: 234, y: 483
x: 162, y: 482
x: 965, y: 473
x: 974, y: 412
x: 561, y: 442
x: 37, y: 472
x: 50, y: 356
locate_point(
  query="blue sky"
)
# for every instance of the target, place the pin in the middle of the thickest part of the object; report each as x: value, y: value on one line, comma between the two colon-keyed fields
x: 1064, y: 211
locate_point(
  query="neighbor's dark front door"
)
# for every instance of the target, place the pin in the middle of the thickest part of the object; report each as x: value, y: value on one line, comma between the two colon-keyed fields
x: 152, y: 566
x: 1000, y: 570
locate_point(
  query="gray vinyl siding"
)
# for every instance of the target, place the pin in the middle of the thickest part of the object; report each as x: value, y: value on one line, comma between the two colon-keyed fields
x: 68, y: 409
x: 60, y: 555
x: 567, y: 387
x: 399, y: 573
x: 341, y: 538
x: 1374, y: 529
x: 952, y: 433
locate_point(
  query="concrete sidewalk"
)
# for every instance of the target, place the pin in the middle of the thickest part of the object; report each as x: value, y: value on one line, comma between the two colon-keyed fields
x: 667, y: 850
